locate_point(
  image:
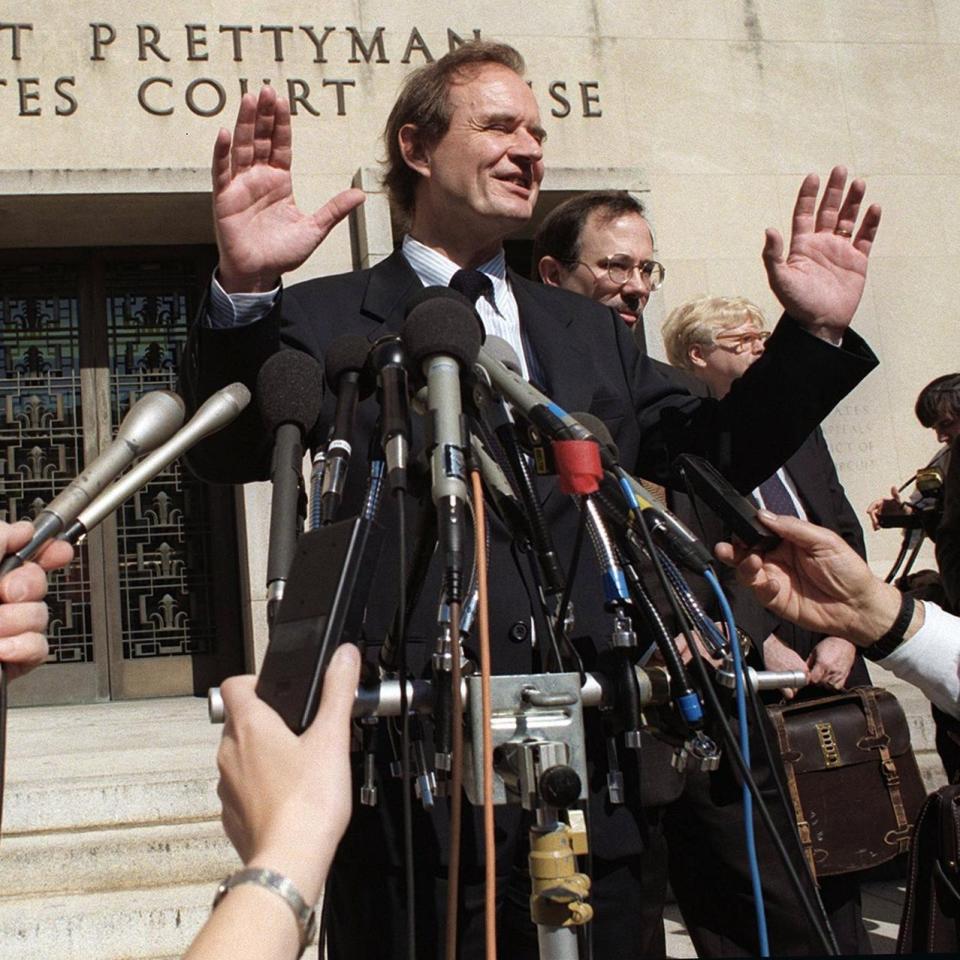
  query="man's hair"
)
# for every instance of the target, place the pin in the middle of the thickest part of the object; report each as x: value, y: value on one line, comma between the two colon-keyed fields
x: 938, y: 399
x: 699, y: 321
x: 559, y: 236
x: 424, y: 102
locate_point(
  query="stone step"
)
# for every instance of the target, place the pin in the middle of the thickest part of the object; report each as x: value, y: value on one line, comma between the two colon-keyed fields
x: 119, y: 925
x: 153, y: 924
x: 105, y: 765
x: 117, y: 859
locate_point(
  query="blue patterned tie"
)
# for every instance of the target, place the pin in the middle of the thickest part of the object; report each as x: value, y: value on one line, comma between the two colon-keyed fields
x: 777, y: 498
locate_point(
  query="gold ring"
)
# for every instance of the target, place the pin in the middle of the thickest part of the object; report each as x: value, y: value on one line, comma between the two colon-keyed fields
x: 840, y: 232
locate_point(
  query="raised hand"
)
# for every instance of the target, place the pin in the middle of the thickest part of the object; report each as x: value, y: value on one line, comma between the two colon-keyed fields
x: 821, y: 281
x: 261, y: 234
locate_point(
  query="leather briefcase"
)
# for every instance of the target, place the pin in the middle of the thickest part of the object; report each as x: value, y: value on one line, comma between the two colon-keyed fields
x: 852, y: 778
x: 931, y: 910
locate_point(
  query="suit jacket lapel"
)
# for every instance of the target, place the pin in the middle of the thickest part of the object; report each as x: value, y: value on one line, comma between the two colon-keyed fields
x: 555, y: 364
x: 391, y: 284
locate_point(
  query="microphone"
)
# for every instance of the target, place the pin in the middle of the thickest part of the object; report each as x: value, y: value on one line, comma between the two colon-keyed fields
x: 443, y: 336
x: 388, y: 361
x: 674, y: 535
x: 290, y: 395
x: 495, y: 412
x: 548, y: 417
x: 214, y: 413
x: 150, y: 421
x: 346, y: 361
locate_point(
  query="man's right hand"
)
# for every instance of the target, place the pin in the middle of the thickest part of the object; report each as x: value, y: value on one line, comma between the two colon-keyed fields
x: 814, y: 579
x: 260, y: 232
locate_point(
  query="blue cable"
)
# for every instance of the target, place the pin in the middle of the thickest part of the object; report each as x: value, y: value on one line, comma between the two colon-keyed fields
x: 711, y: 578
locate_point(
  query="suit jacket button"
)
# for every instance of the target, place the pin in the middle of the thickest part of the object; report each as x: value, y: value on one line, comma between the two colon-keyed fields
x: 519, y: 632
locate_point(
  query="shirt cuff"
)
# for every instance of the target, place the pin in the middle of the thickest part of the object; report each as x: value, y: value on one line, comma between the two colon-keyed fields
x: 930, y: 659
x: 225, y: 310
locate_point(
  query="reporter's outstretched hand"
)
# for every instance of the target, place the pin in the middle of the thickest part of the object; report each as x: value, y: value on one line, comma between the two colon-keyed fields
x: 261, y: 234
x: 286, y: 799
x: 23, y: 614
x: 813, y: 578
x: 821, y: 280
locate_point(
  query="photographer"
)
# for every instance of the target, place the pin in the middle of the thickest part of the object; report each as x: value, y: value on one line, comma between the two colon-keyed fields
x: 937, y: 408
x: 934, y: 510
x: 948, y: 533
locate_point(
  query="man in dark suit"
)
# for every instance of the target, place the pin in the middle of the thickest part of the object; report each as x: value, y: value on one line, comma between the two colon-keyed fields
x: 465, y: 161
x: 600, y: 245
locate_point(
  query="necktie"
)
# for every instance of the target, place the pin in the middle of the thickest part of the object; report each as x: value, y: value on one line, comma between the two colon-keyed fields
x: 472, y: 284
x: 777, y: 498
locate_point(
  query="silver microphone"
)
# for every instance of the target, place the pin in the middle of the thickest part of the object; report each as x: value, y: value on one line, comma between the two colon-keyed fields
x: 216, y: 412
x: 151, y: 420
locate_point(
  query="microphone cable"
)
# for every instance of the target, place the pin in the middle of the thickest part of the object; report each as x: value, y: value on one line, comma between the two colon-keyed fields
x: 513, y: 473
x: 818, y: 923
x: 483, y: 626
x: 399, y: 497
x: 748, y: 824
x: 456, y: 787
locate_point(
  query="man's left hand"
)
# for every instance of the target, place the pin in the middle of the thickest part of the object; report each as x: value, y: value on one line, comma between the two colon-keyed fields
x: 830, y: 662
x: 821, y: 281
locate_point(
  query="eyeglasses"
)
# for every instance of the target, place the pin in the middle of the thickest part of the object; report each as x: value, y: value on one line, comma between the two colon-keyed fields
x: 620, y: 271
x: 742, y: 342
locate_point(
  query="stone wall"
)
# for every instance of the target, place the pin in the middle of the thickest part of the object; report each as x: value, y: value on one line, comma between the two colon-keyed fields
x: 718, y: 107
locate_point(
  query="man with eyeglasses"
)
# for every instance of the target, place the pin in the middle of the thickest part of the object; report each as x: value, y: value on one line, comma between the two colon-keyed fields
x: 600, y: 245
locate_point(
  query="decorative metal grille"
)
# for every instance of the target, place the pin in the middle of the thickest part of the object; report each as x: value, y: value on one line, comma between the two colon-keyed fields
x: 167, y: 606
x: 41, y: 433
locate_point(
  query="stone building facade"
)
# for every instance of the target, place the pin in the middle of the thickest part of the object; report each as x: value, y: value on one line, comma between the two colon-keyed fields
x: 710, y: 110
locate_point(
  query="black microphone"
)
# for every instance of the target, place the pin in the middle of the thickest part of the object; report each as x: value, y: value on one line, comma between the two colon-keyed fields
x: 443, y: 337
x: 290, y: 395
x: 388, y: 363
x: 554, y: 577
x: 151, y: 420
x: 674, y: 536
x: 349, y: 380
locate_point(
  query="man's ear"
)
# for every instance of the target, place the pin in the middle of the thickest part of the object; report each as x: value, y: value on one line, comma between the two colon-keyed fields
x: 696, y: 355
x: 412, y: 150
x: 551, y: 271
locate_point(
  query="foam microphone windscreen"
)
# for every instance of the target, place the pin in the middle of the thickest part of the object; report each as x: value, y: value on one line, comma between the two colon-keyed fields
x: 498, y: 349
x: 440, y: 325
x: 435, y: 293
x: 290, y: 390
x: 349, y: 353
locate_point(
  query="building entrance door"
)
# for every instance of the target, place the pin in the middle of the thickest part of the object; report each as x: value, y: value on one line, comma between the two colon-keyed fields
x: 150, y: 606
